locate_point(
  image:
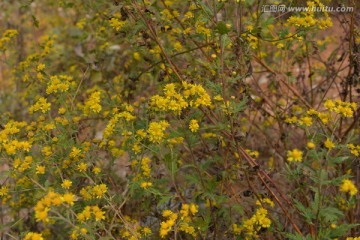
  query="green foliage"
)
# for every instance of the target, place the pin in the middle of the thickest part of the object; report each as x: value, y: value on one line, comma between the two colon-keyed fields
x: 171, y: 119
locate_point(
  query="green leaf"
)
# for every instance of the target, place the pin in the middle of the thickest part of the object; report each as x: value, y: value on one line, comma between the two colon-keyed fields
x: 241, y: 105
x: 238, y: 208
x: 330, y: 214
x: 306, y: 212
x: 337, y: 160
x: 222, y: 28
x: 316, y: 203
x: 35, y: 21
x: 297, y: 236
x: 206, y: 9
x: 341, y: 230
x: 164, y: 200
x: 96, y: 76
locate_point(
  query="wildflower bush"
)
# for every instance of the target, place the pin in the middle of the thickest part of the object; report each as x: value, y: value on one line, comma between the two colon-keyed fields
x: 145, y: 119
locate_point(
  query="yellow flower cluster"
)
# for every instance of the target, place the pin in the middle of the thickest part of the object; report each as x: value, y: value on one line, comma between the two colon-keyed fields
x: 185, y: 227
x: 11, y: 128
x: 6, y: 37
x: 116, y: 23
x: 58, y: 83
x: 51, y: 199
x: 47, y: 151
x: 252, y: 40
x: 294, y: 155
x: 126, y: 114
x: 192, y: 95
x: 168, y: 15
x: 353, y: 238
x: 186, y: 211
x: 307, y: 119
x: 254, y: 154
x: 253, y: 225
x: 146, y: 166
x: 172, y: 101
x: 308, y: 18
x: 175, y: 140
x: 200, y: 27
x: 257, y: 221
x: 354, y: 149
x: 348, y: 186
x: 156, y: 131
x: 78, y: 231
x: 146, y: 184
x: 265, y: 200
x: 40, y: 105
x: 96, y: 191
x: 209, y: 135
x: 346, y: 109
x: 47, y: 45
x: 23, y: 164
x: 4, y: 191
x: 197, y: 94
x: 133, y: 230
x: 90, y: 211
x: 194, y: 125
x: 344, y: 204
x: 49, y: 126
x: 11, y: 147
x: 33, y: 236
x: 93, y: 103
x: 81, y: 23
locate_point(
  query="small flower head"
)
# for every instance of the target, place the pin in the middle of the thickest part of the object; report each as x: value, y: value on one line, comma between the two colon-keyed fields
x: 194, y: 125
x: 66, y: 184
x: 348, y: 186
x: 40, y: 170
x: 310, y: 145
x: 294, y: 155
x: 156, y: 131
x: 69, y: 198
x: 329, y: 144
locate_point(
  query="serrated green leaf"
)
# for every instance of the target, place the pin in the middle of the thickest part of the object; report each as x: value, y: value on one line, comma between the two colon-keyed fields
x: 222, y: 28
x: 330, y: 214
x: 341, y: 230
x: 306, y: 212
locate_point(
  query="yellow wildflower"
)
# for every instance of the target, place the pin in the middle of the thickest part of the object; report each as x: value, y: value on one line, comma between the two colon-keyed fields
x: 156, y: 131
x: 310, y: 145
x: 348, y: 186
x: 194, y: 125
x: 294, y: 155
x: 93, y: 103
x: 40, y: 170
x: 66, y: 184
x: 33, y: 236
x: 69, y: 198
x: 145, y: 184
x: 116, y: 23
x: 329, y: 144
